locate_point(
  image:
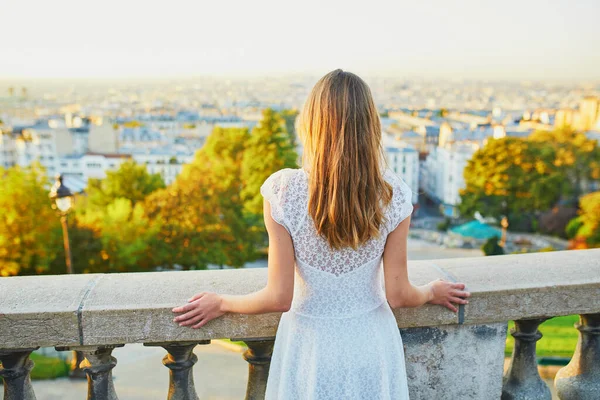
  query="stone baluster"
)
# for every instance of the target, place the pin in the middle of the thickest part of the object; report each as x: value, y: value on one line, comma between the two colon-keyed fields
x: 16, y: 366
x: 258, y: 356
x: 580, y: 379
x: 522, y: 380
x: 98, y: 364
x: 180, y: 360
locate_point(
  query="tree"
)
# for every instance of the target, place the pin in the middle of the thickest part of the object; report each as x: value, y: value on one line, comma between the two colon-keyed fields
x: 112, y: 224
x: 126, y: 234
x: 289, y: 117
x: 29, y: 228
x: 587, y: 225
x: 131, y: 181
x: 576, y: 156
x: 201, y: 213
x: 556, y: 220
x: 492, y: 248
x: 511, y: 176
x: 267, y: 151
x: 86, y: 248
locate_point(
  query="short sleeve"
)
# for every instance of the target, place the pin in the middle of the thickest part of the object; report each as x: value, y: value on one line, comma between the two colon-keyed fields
x: 275, y: 191
x: 401, y: 205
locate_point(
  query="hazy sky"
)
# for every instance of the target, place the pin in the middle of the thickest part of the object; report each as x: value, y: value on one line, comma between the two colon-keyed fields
x: 503, y: 39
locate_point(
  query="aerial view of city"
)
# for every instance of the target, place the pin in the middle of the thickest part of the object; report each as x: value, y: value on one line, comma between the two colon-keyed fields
x: 135, y: 146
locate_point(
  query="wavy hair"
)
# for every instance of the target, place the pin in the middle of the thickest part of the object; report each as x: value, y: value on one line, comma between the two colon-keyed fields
x: 341, y: 132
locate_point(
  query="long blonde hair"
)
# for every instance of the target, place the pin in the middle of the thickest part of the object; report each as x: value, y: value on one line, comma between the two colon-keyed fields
x: 341, y: 133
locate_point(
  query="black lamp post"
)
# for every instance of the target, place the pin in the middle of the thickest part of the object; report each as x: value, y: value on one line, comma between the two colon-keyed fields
x: 504, y: 223
x: 62, y: 200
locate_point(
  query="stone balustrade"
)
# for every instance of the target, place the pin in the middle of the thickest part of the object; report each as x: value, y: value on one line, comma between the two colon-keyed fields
x: 448, y: 355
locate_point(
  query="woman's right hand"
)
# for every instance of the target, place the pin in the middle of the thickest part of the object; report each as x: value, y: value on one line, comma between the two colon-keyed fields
x: 445, y: 293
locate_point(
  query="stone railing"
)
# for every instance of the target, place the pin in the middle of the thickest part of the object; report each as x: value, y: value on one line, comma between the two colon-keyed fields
x: 448, y: 355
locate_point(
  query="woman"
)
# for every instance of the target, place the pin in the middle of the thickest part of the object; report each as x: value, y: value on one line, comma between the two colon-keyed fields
x: 330, y: 226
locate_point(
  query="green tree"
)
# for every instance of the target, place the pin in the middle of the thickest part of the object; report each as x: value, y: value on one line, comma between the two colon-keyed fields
x: 131, y: 181
x: 126, y: 234
x: 589, y: 219
x: 511, y: 176
x: 267, y: 151
x: 201, y: 213
x: 289, y: 116
x: 29, y: 227
x: 576, y: 156
x: 86, y: 247
x: 492, y: 248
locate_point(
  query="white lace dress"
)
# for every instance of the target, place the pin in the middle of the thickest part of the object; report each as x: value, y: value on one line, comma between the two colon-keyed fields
x: 339, y: 340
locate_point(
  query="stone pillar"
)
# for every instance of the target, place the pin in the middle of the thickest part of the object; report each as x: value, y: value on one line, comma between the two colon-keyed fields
x: 258, y: 356
x: 16, y: 366
x: 523, y: 381
x: 580, y: 379
x: 180, y: 360
x: 98, y: 365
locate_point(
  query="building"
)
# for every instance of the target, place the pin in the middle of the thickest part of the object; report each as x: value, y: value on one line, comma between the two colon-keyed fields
x: 404, y: 161
x: 588, y: 114
x: 585, y: 119
x: 442, y: 174
x: 8, y: 149
x: 167, y: 162
x: 43, y: 142
x: 90, y: 165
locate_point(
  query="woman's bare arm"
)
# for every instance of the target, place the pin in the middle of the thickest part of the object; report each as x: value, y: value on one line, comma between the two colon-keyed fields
x: 275, y: 296
x: 399, y: 291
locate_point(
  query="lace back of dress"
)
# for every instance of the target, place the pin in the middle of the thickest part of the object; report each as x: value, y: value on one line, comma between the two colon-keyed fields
x: 288, y: 192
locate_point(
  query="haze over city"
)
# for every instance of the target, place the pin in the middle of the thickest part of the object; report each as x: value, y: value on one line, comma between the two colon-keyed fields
x: 510, y: 40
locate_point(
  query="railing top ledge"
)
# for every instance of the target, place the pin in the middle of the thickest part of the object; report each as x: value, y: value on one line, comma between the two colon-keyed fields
x: 96, y: 309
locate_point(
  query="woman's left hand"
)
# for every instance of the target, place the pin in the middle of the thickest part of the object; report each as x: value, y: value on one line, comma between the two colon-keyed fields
x: 200, y: 309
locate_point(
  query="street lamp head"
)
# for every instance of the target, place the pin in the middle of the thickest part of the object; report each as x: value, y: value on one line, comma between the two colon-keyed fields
x: 61, y: 195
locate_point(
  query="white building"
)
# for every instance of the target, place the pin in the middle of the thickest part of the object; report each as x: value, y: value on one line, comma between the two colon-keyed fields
x: 167, y: 162
x: 404, y: 161
x: 44, y: 142
x: 442, y: 174
x: 8, y: 149
x: 90, y: 165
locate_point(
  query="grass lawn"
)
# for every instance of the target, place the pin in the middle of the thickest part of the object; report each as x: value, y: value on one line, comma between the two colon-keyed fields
x: 234, y: 342
x: 48, y: 367
x: 558, y: 340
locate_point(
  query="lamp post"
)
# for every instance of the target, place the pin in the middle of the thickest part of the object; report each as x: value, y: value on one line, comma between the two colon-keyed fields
x: 62, y: 200
x: 504, y: 223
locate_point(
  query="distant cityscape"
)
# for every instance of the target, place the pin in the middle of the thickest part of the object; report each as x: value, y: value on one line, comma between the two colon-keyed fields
x: 431, y: 128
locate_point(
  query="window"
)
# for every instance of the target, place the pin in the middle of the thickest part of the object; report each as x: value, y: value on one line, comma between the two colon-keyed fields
x: 94, y: 165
